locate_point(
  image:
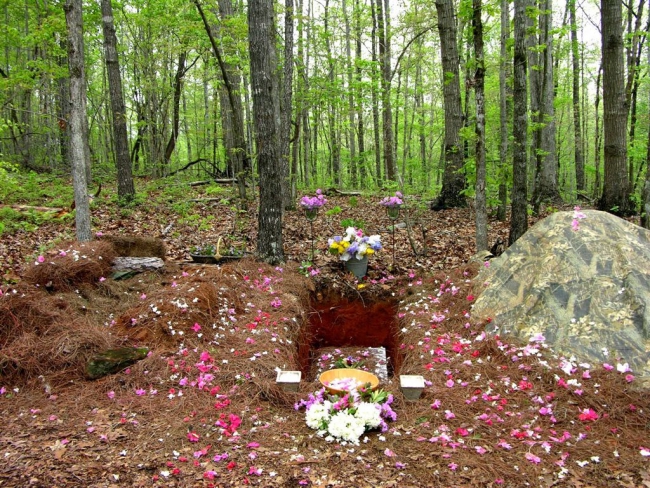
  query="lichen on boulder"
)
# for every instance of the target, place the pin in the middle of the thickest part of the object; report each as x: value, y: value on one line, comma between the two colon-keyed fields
x: 585, y: 287
x: 114, y: 360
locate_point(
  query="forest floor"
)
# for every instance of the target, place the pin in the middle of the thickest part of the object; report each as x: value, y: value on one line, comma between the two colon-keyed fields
x: 203, y: 408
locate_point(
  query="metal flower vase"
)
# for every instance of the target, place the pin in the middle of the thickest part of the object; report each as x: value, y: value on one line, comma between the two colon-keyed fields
x: 359, y: 267
x: 393, y: 212
x: 311, y: 213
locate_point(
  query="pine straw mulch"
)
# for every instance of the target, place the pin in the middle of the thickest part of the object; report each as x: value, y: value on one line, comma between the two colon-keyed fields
x: 203, y: 408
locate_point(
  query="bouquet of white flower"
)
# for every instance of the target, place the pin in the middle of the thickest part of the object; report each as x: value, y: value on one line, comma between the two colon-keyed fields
x: 346, y: 418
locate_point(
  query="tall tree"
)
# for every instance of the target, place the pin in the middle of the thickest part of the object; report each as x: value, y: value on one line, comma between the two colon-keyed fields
x: 301, y: 97
x: 334, y: 136
x: 351, y: 102
x: 645, y: 193
x: 266, y: 117
x: 577, y: 127
x: 505, y: 104
x: 519, y: 216
x: 78, y: 136
x: 375, y: 98
x: 287, y: 97
x: 634, y: 49
x: 232, y: 112
x: 546, y: 178
x: 616, y: 187
x: 238, y: 154
x: 176, y: 104
x: 359, y: 92
x: 479, y: 87
x: 453, y: 179
x: 383, y: 28
x: 125, y: 188
x: 597, y: 135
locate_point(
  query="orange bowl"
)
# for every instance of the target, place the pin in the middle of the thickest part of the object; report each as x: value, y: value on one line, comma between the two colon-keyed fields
x: 361, y: 377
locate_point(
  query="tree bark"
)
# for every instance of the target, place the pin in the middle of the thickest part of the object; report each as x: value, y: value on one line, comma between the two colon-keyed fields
x: 479, y: 87
x: 78, y: 137
x: 519, y: 217
x: 453, y: 179
x: 616, y: 188
x: 266, y: 115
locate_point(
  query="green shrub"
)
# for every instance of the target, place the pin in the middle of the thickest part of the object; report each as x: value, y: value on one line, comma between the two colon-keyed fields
x: 29, y: 221
x: 213, y: 190
x: 358, y: 224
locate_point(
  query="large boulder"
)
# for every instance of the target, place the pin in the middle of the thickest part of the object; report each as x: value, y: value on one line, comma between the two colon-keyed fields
x: 584, y: 285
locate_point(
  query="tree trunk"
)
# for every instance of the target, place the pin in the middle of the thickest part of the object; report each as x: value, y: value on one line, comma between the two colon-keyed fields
x: 266, y: 115
x: 546, y: 177
x: 375, y: 97
x: 125, y: 188
x: 632, y: 85
x: 419, y: 107
x: 231, y: 80
x: 359, y: 77
x: 301, y: 147
x: 335, y: 146
x: 453, y: 179
x: 479, y: 87
x: 351, y: 105
x: 519, y: 217
x: 78, y: 137
x: 577, y: 127
x: 383, y: 27
x: 287, y: 96
x: 186, y: 127
x: 504, y: 106
x: 534, y: 73
x: 63, y: 112
x: 178, y: 87
x: 616, y: 188
x: 597, y: 140
x: 645, y: 193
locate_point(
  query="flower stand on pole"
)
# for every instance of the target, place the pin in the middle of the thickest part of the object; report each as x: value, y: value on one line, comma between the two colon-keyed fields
x: 311, y: 205
x: 393, y: 206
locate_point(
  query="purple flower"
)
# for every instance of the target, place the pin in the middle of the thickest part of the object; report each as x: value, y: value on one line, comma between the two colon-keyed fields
x: 394, y: 201
x: 313, y: 203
